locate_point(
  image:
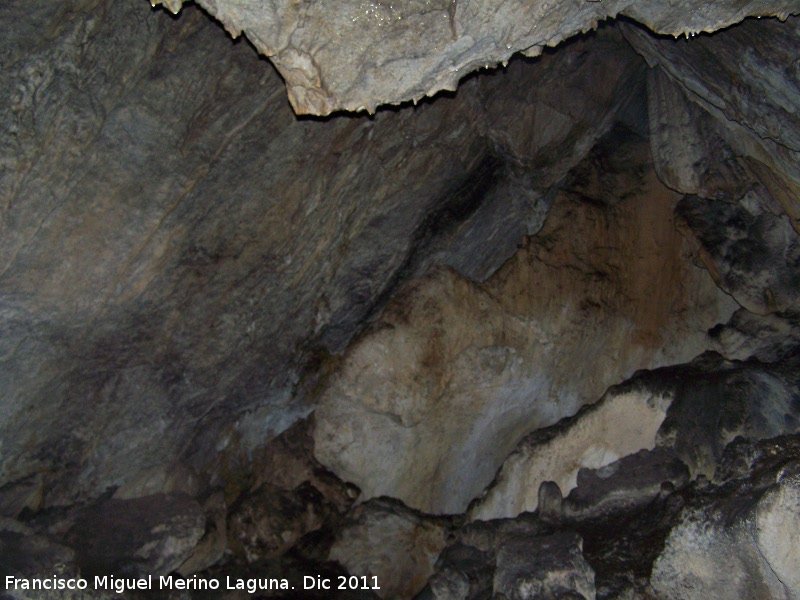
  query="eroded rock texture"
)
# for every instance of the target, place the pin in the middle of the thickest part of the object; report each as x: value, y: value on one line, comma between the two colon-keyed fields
x: 429, y: 403
x: 561, y: 303
x: 734, y: 542
x: 363, y: 53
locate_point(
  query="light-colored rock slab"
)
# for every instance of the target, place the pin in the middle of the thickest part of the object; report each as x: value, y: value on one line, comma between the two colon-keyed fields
x: 386, y: 540
x: 620, y: 424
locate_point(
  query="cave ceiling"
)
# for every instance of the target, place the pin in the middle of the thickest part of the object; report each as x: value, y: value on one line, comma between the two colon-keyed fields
x: 358, y: 54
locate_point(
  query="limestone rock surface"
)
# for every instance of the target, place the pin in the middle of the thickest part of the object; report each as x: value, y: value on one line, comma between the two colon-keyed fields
x: 180, y: 256
x: 185, y: 265
x: 428, y: 403
x: 547, y: 567
x: 363, y: 53
x: 695, y: 411
x: 735, y: 543
x: 633, y: 481
x: 385, y: 539
x: 723, y: 112
x: 152, y: 535
x: 625, y: 421
x: 26, y: 554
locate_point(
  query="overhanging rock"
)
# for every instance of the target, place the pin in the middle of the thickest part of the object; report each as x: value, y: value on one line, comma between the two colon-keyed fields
x: 355, y: 55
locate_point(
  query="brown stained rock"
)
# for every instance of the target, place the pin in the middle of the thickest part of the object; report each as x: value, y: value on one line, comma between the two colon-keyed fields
x: 174, y: 241
x: 363, y: 53
x: 289, y: 494
x: 723, y: 112
x: 269, y: 521
x: 384, y: 539
x: 180, y: 256
x: 428, y: 404
x: 288, y: 462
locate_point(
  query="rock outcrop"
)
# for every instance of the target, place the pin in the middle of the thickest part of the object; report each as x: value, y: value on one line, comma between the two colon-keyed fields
x: 180, y: 255
x: 396, y: 546
x: 694, y: 411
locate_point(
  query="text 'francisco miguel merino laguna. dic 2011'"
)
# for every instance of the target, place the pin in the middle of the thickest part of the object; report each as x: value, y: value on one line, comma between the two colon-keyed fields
x: 170, y: 582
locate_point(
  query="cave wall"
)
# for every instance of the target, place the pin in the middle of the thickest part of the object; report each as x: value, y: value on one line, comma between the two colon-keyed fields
x: 162, y: 273
x: 188, y: 270
x: 181, y: 254
x: 428, y: 404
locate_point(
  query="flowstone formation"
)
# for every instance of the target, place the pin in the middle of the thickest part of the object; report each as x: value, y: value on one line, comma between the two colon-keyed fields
x: 358, y: 54
x: 539, y: 337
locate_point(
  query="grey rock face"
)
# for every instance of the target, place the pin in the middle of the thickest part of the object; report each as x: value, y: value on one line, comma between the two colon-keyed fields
x: 718, y: 400
x: 25, y: 554
x: 736, y: 543
x: 743, y: 241
x: 151, y: 535
x: 722, y: 111
x: 690, y: 411
x: 177, y: 248
x: 184, y: 263
x: 547, y: 567
x: 462, y: 572
x: 633, y: 481
x: 766, y: 338
x: 363, y: 54
x: 603, y: 278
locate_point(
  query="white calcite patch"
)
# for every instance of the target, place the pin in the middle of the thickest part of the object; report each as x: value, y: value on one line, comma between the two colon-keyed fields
x: 618, y: 425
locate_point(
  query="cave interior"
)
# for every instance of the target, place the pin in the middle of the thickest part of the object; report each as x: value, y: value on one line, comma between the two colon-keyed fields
x: 429, y: 300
